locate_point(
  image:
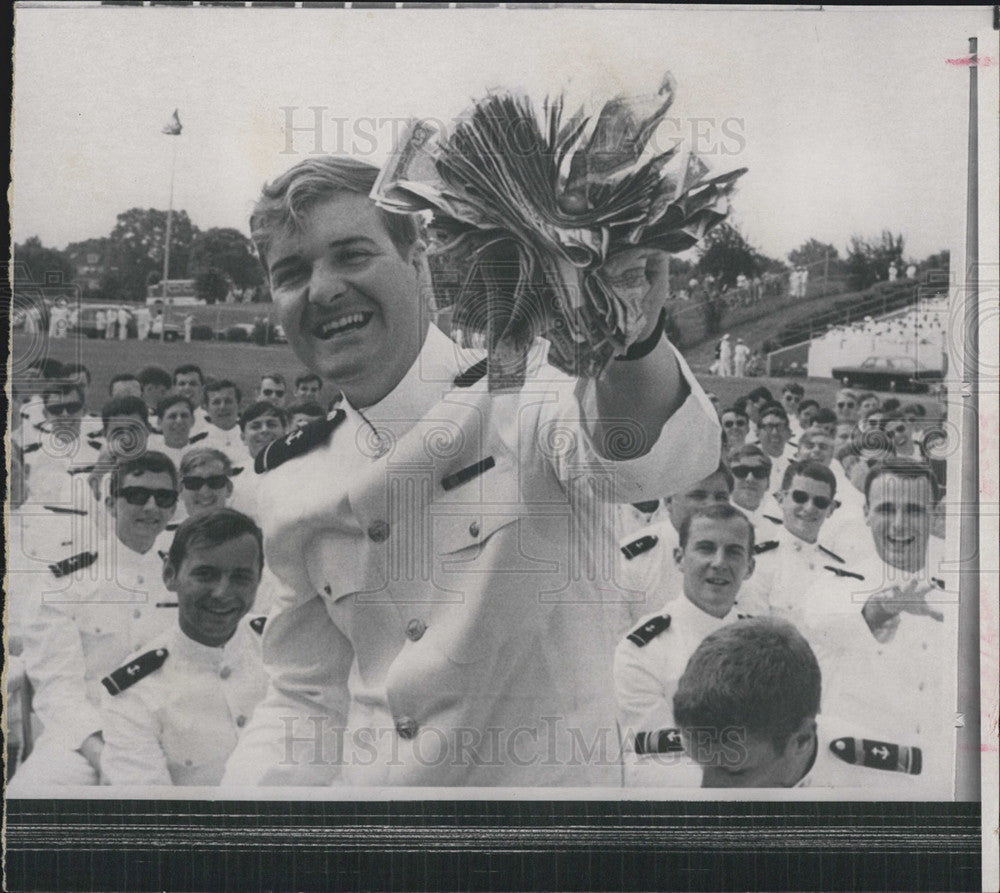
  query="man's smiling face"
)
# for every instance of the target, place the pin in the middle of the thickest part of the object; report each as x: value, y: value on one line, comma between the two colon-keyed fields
x: 348, y: 302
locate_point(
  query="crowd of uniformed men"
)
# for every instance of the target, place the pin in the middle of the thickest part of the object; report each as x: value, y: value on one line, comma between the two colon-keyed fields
x: 782, y: 621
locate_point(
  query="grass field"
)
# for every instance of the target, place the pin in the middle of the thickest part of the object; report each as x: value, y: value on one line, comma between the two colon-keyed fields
x: 245, y: 363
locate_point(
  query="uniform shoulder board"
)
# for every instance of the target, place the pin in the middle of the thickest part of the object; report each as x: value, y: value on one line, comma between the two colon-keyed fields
x: 132, y: 672
x: 774, y: 520
x: 298, y: 443
x: 471, y: 375
x: 200, y: 436
x: 640, y: 545
x: 93, y: 435
x: 73, y: 564
x: 937, y: 581
x: 257, y: 625
x: 64, y: 510
x: 643, y: 635
x: 840, y: 572
x: 172, y: 526
x: 31, y: 447
x: 878, y: 755
x: 660, y: 741
x: 81, y: 469
x: 833, y: 555
x: 760, y: 548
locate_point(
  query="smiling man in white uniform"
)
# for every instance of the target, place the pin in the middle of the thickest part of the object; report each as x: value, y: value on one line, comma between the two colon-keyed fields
x: 448, y: 552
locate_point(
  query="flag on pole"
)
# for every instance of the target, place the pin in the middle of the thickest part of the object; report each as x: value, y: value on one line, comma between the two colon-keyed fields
x: 173, y: 126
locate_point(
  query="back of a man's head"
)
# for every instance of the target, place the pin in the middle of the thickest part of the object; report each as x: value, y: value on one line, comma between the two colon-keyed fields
x: 757, y: 674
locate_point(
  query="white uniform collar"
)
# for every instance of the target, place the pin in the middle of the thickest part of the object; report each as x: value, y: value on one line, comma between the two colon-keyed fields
x: 426, y: 381
x: 182, y: 645
x: 696, y: 620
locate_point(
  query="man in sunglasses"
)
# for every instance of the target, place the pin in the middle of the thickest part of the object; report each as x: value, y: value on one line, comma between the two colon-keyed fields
x: 751, y: 470
x: 792, y: 559
x: 888, y: 645
x: 846, y: 405
x: 774, y: 438
x: 791, y: 396
x: 272, y: 388
x: 91, y: 611
x: 736, y: 427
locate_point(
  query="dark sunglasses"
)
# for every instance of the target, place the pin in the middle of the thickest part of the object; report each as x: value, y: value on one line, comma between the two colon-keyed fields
x: 60, y: 408
x: 745, y: 471
x: 847, y: 404
x: 800, y: 497
x: 735, y: 423
x: 898, y: 429
x: 195, y: 482
x: 269, y: 392
x: 140, y: 496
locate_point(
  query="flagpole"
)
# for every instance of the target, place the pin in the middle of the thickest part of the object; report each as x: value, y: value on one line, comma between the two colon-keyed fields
x: 968, y: 776
x: 166, y: 247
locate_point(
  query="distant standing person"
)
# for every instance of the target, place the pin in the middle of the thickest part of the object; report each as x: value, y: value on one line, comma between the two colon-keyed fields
x: 741, y: 353
x: 143, y: 322
x: 157, y: 325
x: 123, y: 320
x: 726, y: 357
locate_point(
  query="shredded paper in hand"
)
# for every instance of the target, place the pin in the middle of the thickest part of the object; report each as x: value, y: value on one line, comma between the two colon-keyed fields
x: 530, y: 207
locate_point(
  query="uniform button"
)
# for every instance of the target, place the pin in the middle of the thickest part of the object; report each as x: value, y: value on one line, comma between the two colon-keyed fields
x: 241, y: 721
x: 140, y: 579
x: 415, y: 629
x: 406, y: 728
x: 378, y: 531
x: 920, y: 687
x: 224, y: 673
x: 137, y: 613
x: 473, y: 529
x: 188, y: 763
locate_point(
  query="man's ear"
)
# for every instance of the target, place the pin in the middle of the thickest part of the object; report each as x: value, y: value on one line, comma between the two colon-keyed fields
x: 169, y: 575
x: 751, y: 566
x: 802, y: 740
x: 678, y: 555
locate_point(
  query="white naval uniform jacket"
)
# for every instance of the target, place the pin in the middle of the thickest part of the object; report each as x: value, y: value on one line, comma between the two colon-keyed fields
x: 646, y: 675
x: 783, y: 573
x: 902, y: 683
x: 647, y: 569
x: 82, y: 625
x: 179, y: 723
x: 453, y: 609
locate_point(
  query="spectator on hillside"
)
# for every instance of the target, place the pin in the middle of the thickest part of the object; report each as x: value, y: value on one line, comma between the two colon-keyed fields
x: 741, y: 353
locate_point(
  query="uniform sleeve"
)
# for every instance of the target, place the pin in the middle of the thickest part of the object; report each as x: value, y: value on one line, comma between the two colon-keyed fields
x: 55, y: 665
x: 295, y: 734
x: 132, y: 753
x: 687, y: 449
x: 640, y: 691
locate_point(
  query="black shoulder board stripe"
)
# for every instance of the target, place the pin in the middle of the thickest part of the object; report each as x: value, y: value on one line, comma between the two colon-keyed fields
x: 467, y: 474
x: 878, y: 755
x: 833, y: 555
x: 162, y: 554
x: 82, y: 469
x: 774, y: 520
x: 257, y: 625
x: 471, y: 375
x: 298, y: 443
x: 233, y: 472
x: 71, y: 565
x: 172, y: 526
x: 938, y: 582
x: 760, y: 548
x: 197, y: 437
x: 660, y: 741
x: 132, y: 672
x: 637, y: 547
x: 643, y: 635
x: 31, y: 447
x: 64, y: 510
x: 93, y: 435
x: 840, y: 572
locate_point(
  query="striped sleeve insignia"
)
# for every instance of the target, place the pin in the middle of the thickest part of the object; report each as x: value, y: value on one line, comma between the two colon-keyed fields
x: 471, y: 375
x: 643, y: 635
x: 201, y: 436
x: 298, y: 443
x: 64, y: 510
x: 833, y: 555
x: 127, y: 676
x: 73, y: 564
x: 841, y: 572
x: 761, y: 548
x: 660, y: 741
x: 640, y: 545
